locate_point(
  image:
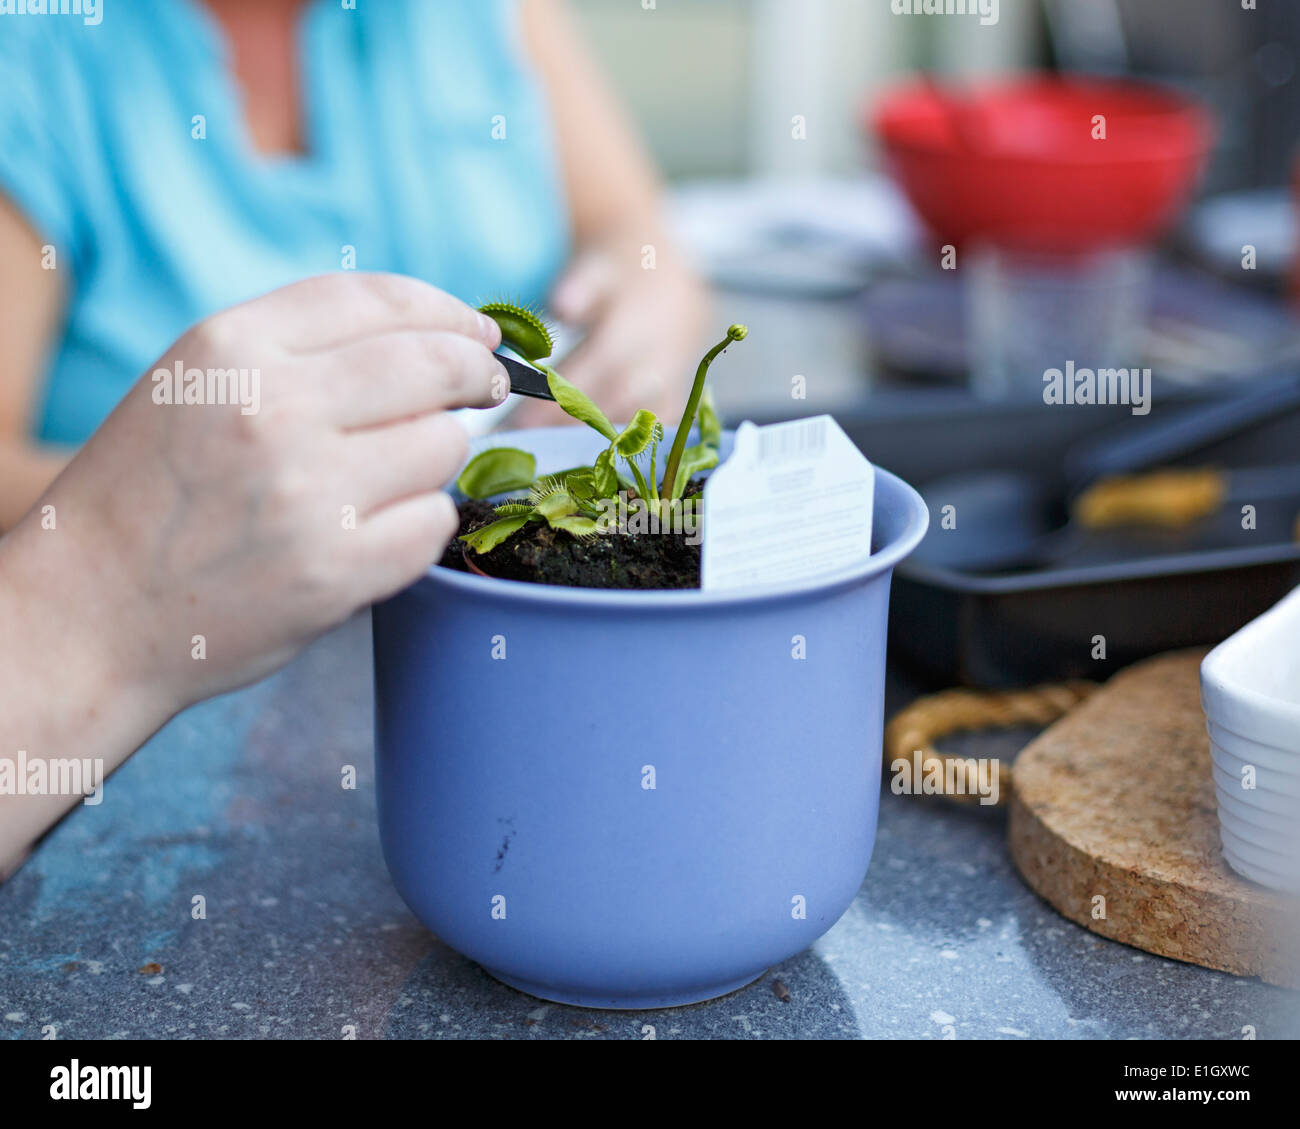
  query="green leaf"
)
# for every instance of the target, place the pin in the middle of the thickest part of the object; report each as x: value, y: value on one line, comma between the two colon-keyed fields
x: 556, y: 504
x: 497, y: 471
x: 490, y: 536
x: 577, y: 404
x: 604, y: 474
x: 581, y: 485
x: 580, y: 527
x: 694, y: 459
x: 522, y: 329
x: 637, y: 435
x: 547, y: 484
x: 710, y: 425
x: 515, y: 509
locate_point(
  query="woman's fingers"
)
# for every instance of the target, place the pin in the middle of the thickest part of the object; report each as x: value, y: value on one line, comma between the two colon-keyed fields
x: 416, y: 456
x: 584, y: 289
x: 600, y: 365
x: 386, y: 378
x: 396, y: 544
x: 333, y: 309
x: 650, y: 385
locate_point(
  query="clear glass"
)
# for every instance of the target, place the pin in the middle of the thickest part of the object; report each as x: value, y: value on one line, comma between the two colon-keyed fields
x: 1027, y: 313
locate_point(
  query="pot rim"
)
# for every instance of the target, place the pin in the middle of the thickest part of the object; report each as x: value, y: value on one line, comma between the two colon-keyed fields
x: 527, y: 592
x: 1229, y: 696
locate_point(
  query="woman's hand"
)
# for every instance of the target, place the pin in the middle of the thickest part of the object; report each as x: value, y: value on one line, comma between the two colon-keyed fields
x: 644, y: 327
x: 199, y: 545
x: 193, y: 547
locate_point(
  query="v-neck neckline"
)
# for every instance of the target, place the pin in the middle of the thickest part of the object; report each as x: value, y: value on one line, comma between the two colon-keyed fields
x: 315, y: 155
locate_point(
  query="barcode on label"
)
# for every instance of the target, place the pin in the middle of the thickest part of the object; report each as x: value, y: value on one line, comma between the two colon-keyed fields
x: 792, y: 440
x: 794, y: 501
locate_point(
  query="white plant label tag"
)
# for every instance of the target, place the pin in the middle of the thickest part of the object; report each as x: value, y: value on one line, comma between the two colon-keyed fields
x: 792, y: 501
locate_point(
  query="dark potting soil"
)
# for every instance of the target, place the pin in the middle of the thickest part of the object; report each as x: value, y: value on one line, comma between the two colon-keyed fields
x: 544, y: 555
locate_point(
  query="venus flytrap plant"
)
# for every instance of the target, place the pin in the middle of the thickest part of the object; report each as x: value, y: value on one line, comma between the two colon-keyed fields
x: 522, y: 329
x: 498, y: 470
x: 550, y: 500
x: 573, y: 500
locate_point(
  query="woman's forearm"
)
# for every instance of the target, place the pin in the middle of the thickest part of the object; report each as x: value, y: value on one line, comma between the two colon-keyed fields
x: 610, y: 180
x: 69, y: 711
x: 26, y: 471
x: 190, y: 552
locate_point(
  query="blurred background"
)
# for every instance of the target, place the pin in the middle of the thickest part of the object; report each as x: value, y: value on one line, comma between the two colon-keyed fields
x: 920, y: 218
x: 821, y: 155
x: 747, y: 61
x: 812, y: 240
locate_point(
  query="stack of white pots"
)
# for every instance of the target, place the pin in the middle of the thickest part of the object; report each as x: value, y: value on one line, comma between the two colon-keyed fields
x: 1250, y: 689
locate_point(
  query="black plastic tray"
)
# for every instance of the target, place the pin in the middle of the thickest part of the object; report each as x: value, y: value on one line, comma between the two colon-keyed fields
x: 950, y: 627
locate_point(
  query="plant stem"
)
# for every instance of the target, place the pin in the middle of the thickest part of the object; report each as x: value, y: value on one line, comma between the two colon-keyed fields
x: 643, y: 491
x: 735, y: 333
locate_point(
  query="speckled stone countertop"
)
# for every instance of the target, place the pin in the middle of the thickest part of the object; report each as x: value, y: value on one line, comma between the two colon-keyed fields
x: 239, y: 801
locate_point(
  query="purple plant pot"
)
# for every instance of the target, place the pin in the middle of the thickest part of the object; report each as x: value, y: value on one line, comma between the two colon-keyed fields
x: 634, y: 799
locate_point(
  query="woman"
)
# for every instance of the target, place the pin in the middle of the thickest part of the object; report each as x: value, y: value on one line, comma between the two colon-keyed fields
x: 190, y: 548
x: 183, y: 156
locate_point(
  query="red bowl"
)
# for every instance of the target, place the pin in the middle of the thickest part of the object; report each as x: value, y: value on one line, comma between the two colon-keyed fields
x: 1015, y: 163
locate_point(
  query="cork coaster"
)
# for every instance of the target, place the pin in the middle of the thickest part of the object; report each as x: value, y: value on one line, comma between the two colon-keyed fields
x: 1115, y: 801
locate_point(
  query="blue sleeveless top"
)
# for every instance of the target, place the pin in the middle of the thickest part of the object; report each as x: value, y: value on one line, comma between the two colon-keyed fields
x: 125, y: 147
